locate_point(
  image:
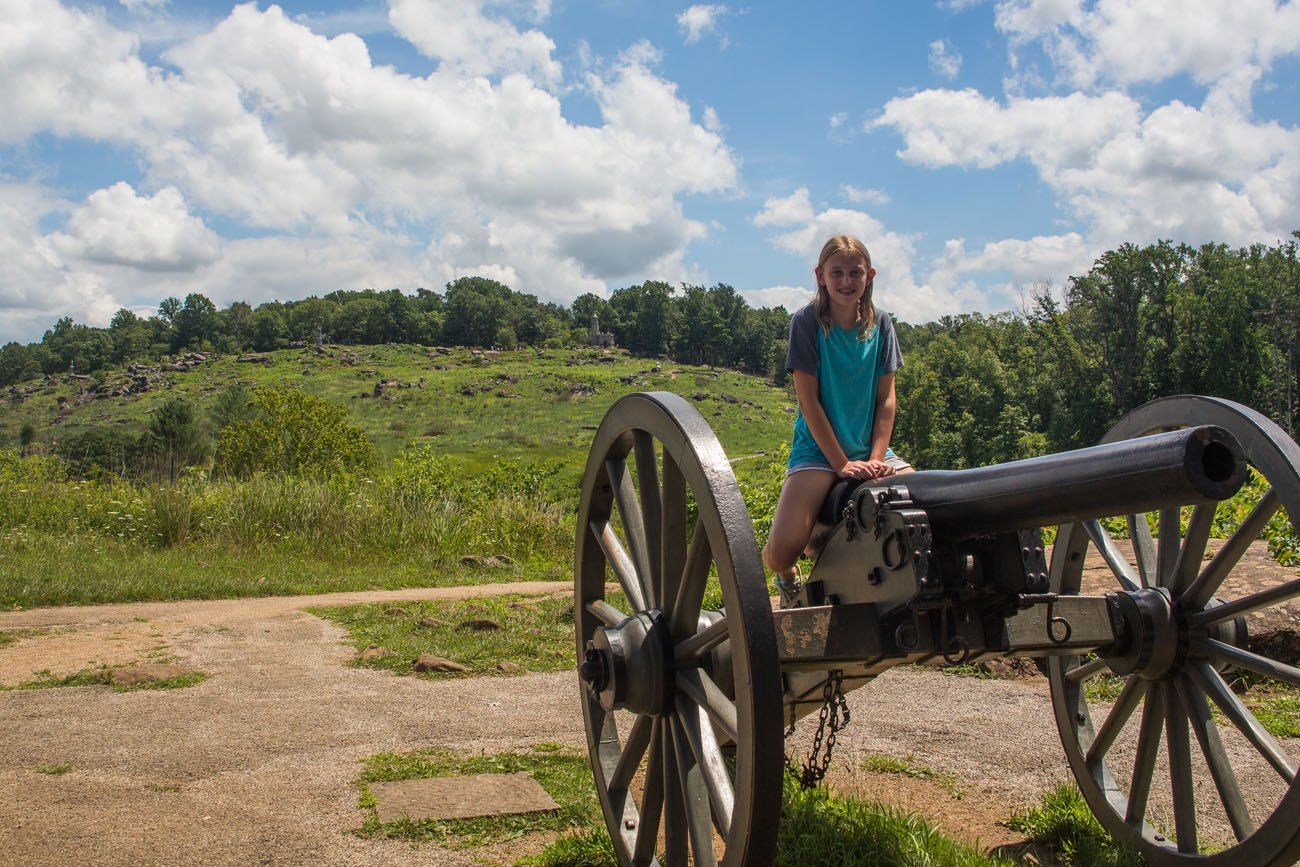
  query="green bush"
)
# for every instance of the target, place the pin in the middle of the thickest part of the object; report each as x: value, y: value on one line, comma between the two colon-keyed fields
x: 293, y: 434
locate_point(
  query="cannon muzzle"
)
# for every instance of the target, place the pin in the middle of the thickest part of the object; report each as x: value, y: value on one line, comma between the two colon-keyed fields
x: 1183, y: 467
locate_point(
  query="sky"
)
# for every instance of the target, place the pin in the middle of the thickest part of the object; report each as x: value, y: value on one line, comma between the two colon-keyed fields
x: 980, y: 148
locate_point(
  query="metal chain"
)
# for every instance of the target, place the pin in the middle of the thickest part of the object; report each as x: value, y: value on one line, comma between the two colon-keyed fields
x: 831, y: 719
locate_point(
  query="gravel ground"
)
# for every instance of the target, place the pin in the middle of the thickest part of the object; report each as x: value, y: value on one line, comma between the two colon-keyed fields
x: 256, y: 765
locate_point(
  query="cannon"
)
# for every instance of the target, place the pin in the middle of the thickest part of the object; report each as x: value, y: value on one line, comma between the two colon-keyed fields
x: 689, y: 674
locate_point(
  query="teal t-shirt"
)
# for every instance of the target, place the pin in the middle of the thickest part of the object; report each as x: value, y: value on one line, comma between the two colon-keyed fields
x: 847, y: 370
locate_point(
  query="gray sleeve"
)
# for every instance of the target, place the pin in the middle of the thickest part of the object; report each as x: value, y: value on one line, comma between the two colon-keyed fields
x: 890, y: 356
x: 802, y: 351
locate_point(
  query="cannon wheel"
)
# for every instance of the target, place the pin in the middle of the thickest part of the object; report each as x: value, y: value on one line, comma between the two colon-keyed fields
x: 1203, y: 637
x: 649, y: 452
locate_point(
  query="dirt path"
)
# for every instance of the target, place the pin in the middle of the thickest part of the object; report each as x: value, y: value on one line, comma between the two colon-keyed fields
x: 256, y: 765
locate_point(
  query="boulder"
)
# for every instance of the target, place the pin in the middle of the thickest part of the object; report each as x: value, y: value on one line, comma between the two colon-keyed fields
x: 427, y: 662
x: 509, y: 667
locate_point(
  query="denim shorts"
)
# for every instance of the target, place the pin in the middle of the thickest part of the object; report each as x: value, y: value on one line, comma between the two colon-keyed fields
x: 893, y: 460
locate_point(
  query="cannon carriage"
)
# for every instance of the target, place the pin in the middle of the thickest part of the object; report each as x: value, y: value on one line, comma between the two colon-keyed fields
x: 689, y: 676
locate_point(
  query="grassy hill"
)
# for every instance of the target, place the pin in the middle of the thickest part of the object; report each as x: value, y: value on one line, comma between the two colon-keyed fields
x: 437, y: 517
x: 474, y: 405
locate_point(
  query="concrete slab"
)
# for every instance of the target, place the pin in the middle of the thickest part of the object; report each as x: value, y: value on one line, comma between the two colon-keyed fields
x: 460, y: 797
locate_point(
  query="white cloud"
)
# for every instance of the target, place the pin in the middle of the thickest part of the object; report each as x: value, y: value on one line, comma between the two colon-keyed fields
x: 858, y: 195
x: 117, y: 227
x: 142, y: 5
x: 944, y: 59
x: 460, y: 35
x: 1130, y: 41
x: 789, y: 297
x: 701, y: 19
x: 793, y: 209
x: 264, y: 122
x: 1197, y: 174
x: 837, y: 120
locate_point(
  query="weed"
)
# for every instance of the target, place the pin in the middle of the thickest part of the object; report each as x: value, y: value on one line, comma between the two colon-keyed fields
x: 907, y: 766
x: 181, y: 681
x: 161, y: 787
x: 1063, y: 823
x: 54, y: 770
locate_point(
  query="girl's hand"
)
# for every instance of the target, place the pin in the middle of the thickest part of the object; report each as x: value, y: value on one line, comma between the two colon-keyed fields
x: 870, y: 469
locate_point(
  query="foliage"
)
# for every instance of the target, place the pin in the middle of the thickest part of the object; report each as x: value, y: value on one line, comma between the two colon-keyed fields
x: 174, y: 439
x: 293, y: 434
x: 100, y: 453
x: 1063, y: 822
x: 818, y: 827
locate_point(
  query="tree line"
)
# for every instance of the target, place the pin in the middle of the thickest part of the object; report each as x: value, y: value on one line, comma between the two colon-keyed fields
x: 710, y: 325
x: 975, y: 389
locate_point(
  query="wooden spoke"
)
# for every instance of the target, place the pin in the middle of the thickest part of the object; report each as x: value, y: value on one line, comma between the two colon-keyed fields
x: 672, y: 550
x: 605, y: 613
x: 1144, y: 761
x: 1188, y: 563
x: 1111, y: 554
x: 647, y: 479
x: 1167, y: 545
x: 652, y: 800
x: 638, y: 738
x: 1229, y: 555
x: 1127, y: 702
x: 701, y: 642
x: 708, y: 755
x: 1225, y: 779
x: 1245, y: 605
x: 629, y: 511
x: 1144, y: 549
x: 705, y: 693
x: 1250, y: 661
x: 1086, y: 670
x: 1180, y: 770
x: 695, y: 796
x: 690, y: 592
x: 675, y: 832
x: 622, y: 565
x: 1212, y: 684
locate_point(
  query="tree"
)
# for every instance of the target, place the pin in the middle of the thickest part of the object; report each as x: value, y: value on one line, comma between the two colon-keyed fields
x: 26, y: 435
x: 196, y: 323
x: 174, y: 439
x: 233, y: 405
x: 646, y: 321
x: 294, y: 434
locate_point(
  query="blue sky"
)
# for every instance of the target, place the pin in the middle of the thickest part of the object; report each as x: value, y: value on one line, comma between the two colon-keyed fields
x: 981, y: 148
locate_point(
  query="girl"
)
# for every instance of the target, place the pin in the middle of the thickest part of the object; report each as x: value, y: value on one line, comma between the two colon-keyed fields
x: 843, y: 354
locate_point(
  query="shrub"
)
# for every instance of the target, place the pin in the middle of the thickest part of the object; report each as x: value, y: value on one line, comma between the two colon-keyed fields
x: 294, y: 434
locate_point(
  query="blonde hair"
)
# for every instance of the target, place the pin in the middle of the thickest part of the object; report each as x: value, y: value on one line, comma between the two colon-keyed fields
x: 822, y: 303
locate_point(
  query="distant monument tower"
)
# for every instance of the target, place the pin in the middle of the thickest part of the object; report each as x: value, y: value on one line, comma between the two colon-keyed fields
x: 603, y: 339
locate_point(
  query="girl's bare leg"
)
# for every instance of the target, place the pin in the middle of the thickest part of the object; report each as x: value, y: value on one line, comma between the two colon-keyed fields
x: 792, y: 525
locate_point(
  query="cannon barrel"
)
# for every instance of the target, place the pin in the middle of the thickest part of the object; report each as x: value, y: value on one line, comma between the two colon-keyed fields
x: 1184, y: 467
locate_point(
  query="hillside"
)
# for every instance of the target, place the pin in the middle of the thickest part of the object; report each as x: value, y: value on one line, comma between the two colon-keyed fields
x: 524, y: 404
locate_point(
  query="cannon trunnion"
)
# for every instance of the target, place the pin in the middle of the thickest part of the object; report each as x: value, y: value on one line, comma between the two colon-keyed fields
x: 930, y: 567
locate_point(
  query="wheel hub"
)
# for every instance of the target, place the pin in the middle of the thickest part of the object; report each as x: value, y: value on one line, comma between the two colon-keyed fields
x: 629, y: 666
x: 1154, y: 639
x: 1157, y: 635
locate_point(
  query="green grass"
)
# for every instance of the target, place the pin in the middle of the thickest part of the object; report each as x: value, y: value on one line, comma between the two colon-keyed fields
x: 54, y: 770
x: 908, y: 766
x: 564, y: 774
x: 72, y: 571
x: 536, y: 632
x: 539, y: 416
x: 1063, y: 823
x: 1276, y: 707
x: 103, y: 676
